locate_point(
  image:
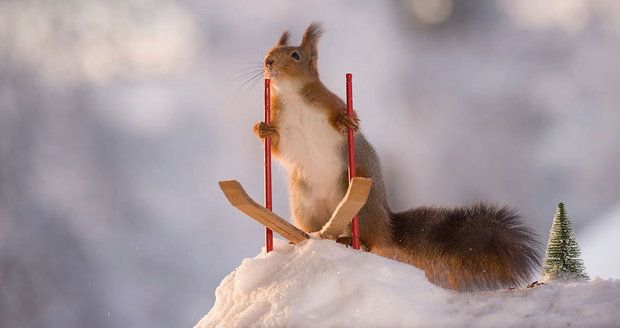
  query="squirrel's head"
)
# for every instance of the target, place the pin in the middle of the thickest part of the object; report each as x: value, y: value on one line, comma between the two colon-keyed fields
x: 294, y: 64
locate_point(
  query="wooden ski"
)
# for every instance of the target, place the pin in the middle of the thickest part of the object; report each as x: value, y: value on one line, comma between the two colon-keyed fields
x: 239, y: 198
x: 353, y: 201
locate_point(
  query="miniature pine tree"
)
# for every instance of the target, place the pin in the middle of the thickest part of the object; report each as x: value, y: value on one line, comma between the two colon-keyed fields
x: 563, y: 260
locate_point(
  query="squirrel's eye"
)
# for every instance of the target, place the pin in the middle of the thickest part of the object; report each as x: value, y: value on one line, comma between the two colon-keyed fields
x: 296, y: 55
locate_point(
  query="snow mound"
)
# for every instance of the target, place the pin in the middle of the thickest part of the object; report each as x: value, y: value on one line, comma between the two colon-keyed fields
x: 322, y: 284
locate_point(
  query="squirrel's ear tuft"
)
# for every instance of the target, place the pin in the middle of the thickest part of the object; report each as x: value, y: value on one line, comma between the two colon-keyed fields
x: 311, y: 36
x: 283, y: 40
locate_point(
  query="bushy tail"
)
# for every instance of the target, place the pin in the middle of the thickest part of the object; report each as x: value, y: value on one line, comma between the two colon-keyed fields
x: 477, y: 247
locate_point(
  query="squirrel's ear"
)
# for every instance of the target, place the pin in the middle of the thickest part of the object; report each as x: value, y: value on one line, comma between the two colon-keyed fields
x: 311, y: 37
x: 283, y: 40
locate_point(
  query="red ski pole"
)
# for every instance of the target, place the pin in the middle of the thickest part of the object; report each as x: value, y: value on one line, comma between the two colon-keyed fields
x: 355, y: 223
x: 268, y: 204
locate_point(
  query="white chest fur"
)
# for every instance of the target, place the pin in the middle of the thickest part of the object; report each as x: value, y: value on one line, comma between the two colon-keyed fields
x: 310, y: 145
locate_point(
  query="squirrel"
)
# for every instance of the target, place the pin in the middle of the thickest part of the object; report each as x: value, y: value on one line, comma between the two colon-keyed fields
x: 472, y: 248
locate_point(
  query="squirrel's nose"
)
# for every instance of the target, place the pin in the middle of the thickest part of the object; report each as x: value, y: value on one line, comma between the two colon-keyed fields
x: 269, y: 62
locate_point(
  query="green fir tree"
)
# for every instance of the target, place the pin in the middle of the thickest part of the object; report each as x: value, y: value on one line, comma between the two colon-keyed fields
x: 563, y: 260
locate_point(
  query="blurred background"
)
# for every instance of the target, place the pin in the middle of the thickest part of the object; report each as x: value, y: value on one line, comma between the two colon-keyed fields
x: 117, y: 119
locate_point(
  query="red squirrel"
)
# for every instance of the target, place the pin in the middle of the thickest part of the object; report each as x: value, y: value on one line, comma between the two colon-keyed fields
x: 470, y: 248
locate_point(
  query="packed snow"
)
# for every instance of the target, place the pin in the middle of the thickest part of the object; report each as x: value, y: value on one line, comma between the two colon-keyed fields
x: 321, y: 283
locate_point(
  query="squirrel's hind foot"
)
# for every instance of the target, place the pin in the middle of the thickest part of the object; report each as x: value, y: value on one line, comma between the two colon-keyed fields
x: 348, y: 241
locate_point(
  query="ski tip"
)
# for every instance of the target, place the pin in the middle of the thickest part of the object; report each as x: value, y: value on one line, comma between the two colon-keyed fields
x: 233, y: 191
x: 229, y: 184
x: 362, y: 182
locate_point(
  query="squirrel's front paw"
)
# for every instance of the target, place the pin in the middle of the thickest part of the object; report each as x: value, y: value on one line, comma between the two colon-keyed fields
x: 345, y: 122
x: 263, y: 130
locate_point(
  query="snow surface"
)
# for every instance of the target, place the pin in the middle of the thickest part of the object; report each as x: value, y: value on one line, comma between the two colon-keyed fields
x: 321, y: 283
